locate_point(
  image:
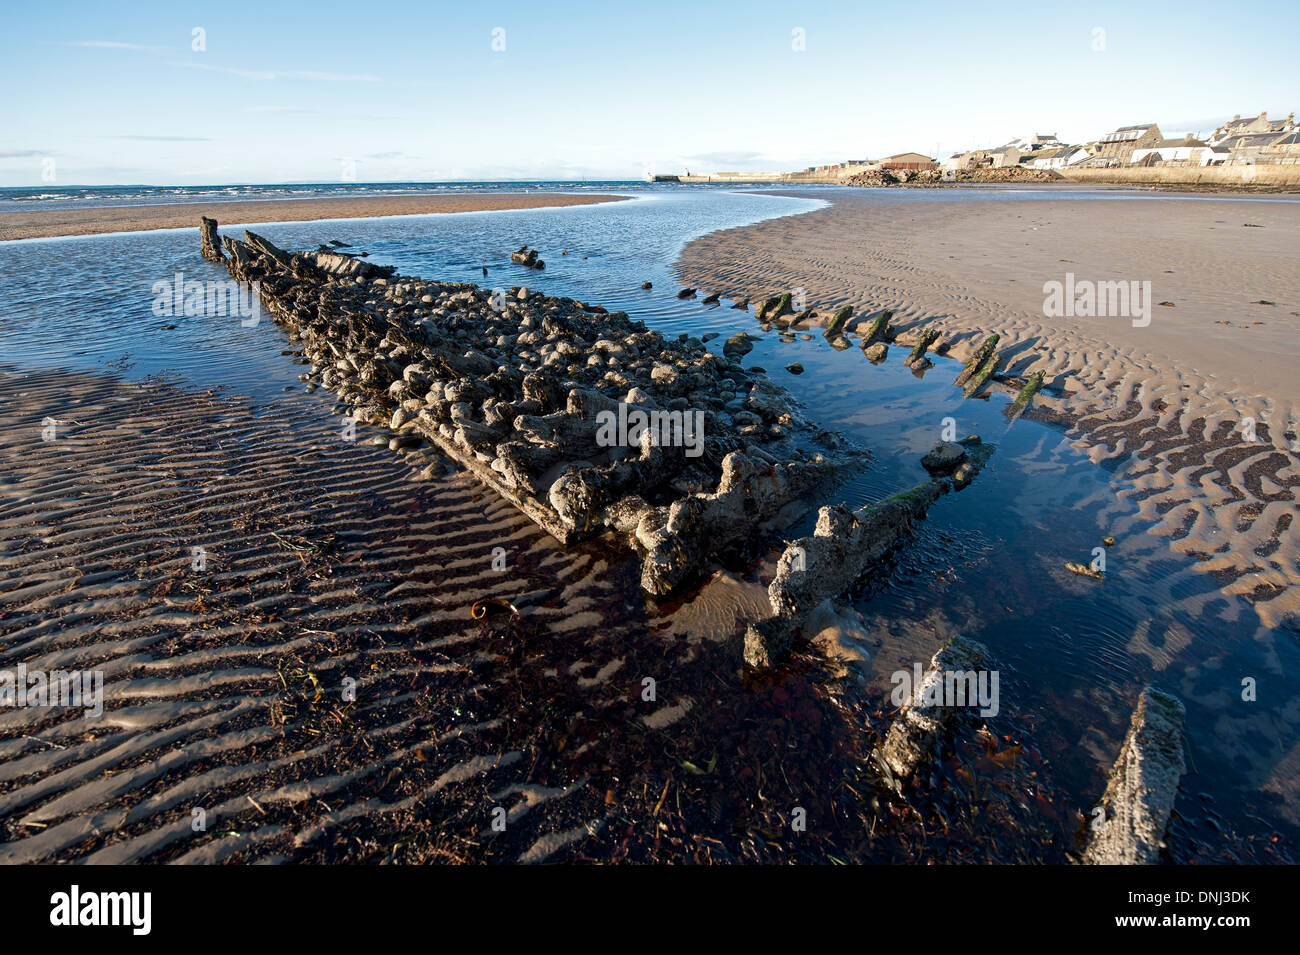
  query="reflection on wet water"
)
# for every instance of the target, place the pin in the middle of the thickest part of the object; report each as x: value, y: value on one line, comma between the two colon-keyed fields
x: 87, y: 302
x: 989, y: 562
x: 990, y: 565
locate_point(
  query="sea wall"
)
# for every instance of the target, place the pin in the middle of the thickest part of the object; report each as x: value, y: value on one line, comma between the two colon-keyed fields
x: 1261, y: 177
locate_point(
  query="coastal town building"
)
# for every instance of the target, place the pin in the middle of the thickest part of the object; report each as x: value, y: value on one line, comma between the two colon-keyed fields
x: 1024, y: 151
x: 998, y: 158
x: 907, y: 161
x: 1268, y: 147
x: 1239, y: 141
x: 1063, y: 157
x: 1179, y: 152
x: 1116, y: 148
x: 1030, y: 144
x: 1261, y: 124
x: 969, y: 159
x: 1005, y: 156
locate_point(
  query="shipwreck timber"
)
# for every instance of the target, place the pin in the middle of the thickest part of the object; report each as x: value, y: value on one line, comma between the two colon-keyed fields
x: 1128, y: 825
x: 527, y: 257
x: 586, y: 421
x: 209, y: 242
x: 846, y: 545
x: 915, y: 735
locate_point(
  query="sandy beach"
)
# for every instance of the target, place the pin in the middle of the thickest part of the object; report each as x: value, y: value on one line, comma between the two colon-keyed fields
x: 232, y: 670
x: 56, y: 221
x: 1169, y: 397
x: 328, y: 562
x: 424, y: 442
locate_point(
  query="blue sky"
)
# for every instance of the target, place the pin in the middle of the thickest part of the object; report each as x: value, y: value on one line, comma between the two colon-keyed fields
x: 415, y: 91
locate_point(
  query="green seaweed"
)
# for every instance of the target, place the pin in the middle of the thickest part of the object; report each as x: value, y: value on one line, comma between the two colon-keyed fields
x: 1017, y: 408
x: 837, y: 323
x: 985, y: 372
x: 928, y: 337
x: 783, y: 306
x: 978, y: 358
x: 879, y: 328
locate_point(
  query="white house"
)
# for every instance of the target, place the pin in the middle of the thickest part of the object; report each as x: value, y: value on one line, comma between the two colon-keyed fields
x: 1188, y: 152
x: 1061, y: 158
x: 1030, y: 144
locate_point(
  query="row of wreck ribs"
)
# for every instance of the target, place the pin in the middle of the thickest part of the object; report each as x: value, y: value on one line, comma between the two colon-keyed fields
x: 983, y: 365
x: 1128, y: 825
x: 510, y: 387
x: 520, y: 388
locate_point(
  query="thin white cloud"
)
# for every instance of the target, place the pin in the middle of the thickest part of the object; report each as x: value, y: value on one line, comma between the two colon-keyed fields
x: 329, y: 77
x: 115, y: 45
x: 315, y: 75
x: 166, y: 139
x: 279, y: 74
x: 277, y: 109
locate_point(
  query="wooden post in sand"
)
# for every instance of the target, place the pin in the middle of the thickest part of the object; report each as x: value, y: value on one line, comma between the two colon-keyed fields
x: 981, y: 355
x: 209, y: 243
x: 983, y: 374
x: 837, y: 323
x: 879, y: 328
x: 928, y: 337
x: 1129, y: 823
x: 1017, y: 408
x: 783, y: 307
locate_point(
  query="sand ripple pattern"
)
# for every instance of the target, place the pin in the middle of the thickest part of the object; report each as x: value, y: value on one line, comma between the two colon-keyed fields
x: 1143, y: 401
x: 223, y: 688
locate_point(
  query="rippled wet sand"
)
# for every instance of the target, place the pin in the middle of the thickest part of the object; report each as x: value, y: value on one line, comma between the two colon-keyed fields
x: 330, y: 561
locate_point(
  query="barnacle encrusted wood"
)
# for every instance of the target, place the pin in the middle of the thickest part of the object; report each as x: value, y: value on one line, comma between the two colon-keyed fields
x: 586, y: 421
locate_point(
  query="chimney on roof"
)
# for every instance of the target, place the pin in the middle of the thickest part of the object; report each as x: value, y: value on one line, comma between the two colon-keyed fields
x: 1236, y: 118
